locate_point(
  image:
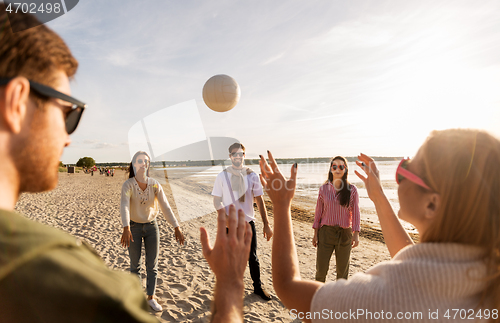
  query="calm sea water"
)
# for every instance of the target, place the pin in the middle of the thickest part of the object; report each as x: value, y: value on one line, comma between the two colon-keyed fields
x: 311, y: 176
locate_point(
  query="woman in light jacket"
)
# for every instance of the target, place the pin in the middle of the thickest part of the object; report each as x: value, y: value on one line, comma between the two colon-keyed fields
x: 140, y: 198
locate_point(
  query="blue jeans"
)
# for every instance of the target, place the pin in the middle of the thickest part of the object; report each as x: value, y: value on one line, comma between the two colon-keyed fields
x: 150, y: 234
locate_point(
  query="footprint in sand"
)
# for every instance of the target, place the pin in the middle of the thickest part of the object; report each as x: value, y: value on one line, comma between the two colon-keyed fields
x: 196, y: 300
x: 253, y: 317
x: 185, y: 306
x: 167, y: 294
x: 121, y: 260
x: 179, y: 262
x: 178, y: 288
x: 205, y: 292
x: 167, y: 315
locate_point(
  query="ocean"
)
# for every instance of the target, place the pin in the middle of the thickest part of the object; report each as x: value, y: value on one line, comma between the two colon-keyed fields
x: 311, y: 176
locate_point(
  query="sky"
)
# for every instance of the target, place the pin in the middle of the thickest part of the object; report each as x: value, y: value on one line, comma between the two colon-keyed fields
x: 317, y: 78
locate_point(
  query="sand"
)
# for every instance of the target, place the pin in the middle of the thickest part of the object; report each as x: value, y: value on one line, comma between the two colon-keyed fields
x: 88, y: 207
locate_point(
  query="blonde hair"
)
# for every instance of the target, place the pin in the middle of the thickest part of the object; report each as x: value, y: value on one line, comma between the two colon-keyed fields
x: 463, y: 166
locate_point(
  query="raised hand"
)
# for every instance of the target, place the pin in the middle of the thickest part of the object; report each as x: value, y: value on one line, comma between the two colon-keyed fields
x: 395, y: 235
x: 229, y: 256
x: 372, y: 179
x: 279, y: 189
x: 228, y: 260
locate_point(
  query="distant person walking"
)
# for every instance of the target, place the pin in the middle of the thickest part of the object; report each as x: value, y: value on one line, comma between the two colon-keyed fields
x: 336, y: 221
x: 140, y: 197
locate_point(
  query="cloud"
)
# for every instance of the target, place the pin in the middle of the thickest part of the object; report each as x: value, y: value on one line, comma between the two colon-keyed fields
x: 323, y: 63
x: 103, y: 145
x: 273, y: 59
x: 94, y: 144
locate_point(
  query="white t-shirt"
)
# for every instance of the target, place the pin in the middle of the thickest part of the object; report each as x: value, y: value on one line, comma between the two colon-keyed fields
x: 253, y: 189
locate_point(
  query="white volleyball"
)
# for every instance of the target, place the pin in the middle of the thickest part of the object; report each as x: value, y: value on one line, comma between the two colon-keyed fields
x: 221, y: 93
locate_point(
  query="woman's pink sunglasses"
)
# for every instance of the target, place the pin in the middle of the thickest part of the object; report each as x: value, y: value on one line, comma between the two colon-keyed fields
x: 403, y: 172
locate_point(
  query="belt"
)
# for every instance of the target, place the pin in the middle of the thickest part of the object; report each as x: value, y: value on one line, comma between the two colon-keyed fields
x: 133, y: 222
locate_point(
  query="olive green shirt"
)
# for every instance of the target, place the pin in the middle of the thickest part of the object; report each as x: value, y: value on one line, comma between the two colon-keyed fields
x: 46, y: 275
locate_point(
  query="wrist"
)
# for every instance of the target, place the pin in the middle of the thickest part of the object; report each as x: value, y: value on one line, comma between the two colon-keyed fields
x: 232, y: 286
x: 281, y: 207
x: 228, y: 299
x: 229, y: 296
x: 378, y: 195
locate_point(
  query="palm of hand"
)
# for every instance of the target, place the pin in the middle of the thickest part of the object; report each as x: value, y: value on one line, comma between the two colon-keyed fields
x: 277, y: 187
x: 372, y: 180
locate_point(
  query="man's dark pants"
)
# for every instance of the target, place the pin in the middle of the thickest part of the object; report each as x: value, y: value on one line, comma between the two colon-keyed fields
x: 253, y: 261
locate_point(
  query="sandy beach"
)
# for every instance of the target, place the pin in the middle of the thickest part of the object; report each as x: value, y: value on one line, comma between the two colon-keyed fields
x: 88, y: 207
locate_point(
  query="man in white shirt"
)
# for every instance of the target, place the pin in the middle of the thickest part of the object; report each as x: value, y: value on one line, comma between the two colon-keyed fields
x: 240, y: 186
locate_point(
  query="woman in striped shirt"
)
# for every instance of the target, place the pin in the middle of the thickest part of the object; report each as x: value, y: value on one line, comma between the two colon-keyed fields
x: 336, y: 221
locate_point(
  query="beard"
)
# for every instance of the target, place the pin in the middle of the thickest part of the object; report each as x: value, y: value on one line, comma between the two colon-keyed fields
x: 36, y: 158
x: 236, y: 163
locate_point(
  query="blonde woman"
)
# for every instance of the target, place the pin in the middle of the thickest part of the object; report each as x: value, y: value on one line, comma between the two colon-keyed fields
x: 450, y: 192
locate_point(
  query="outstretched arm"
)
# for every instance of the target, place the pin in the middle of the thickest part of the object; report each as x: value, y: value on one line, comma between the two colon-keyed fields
x: 168, y: 213
x: 294, y: 292
x: 228, y: 260
x: 395, y: 236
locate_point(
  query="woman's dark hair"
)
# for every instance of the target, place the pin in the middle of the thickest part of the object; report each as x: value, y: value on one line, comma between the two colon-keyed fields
x: 131, y: 172
x: 345, y: 192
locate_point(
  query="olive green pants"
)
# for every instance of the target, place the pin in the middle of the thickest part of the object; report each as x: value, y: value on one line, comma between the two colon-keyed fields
x: 330, y: 239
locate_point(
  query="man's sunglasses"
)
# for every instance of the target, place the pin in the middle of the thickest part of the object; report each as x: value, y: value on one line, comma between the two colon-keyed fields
x: 238, y: 154
x: 72, y: 117
x: 342, y: 167
x: 403, y: 172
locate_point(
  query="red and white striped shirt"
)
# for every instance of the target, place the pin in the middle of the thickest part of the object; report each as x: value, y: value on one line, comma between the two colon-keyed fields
x: 330, y: 212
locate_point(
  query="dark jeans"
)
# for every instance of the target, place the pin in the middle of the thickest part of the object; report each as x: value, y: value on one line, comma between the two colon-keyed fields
x: 150, y: 234
x: 253, y: 260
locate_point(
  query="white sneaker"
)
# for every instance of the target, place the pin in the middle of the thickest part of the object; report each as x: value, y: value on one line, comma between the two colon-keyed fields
x: 154, y: 305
